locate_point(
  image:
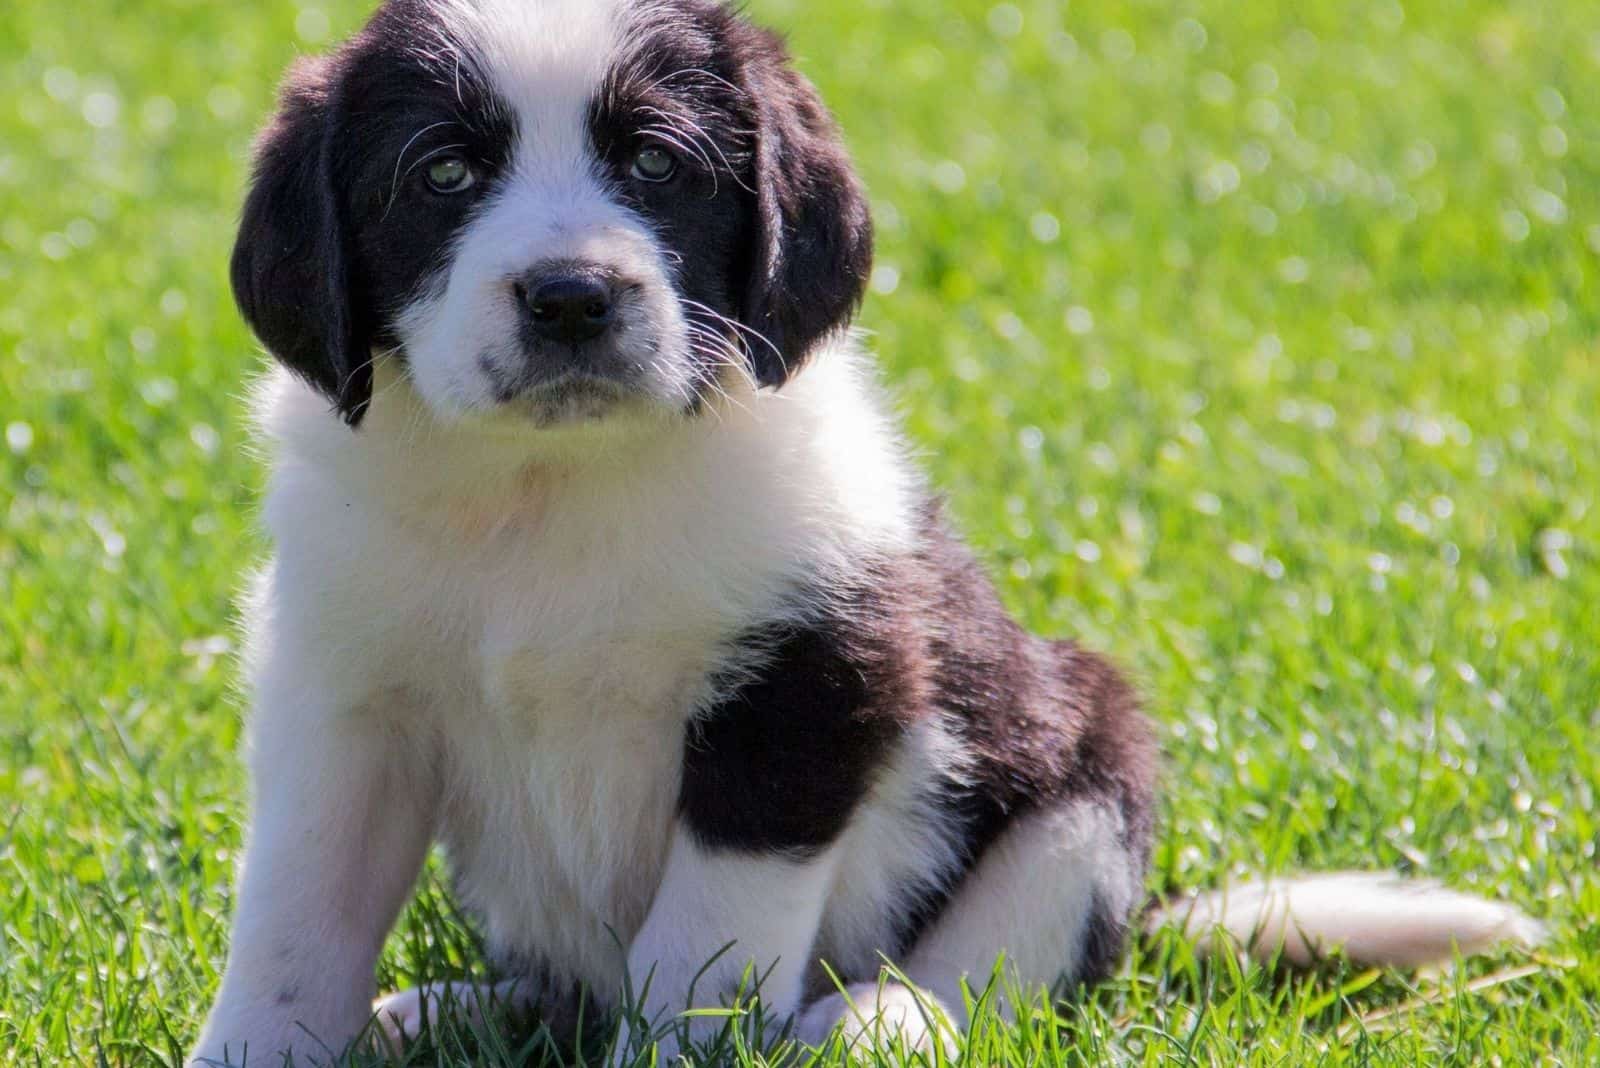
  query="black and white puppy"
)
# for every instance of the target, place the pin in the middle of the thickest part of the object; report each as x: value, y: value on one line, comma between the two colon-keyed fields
x: 615, y: 578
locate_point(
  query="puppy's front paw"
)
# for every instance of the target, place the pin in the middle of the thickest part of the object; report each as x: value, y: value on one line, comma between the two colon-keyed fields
x: 873, y: 1017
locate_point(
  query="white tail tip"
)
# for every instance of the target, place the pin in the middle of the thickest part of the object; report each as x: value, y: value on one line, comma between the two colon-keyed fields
x: 1371, y: 918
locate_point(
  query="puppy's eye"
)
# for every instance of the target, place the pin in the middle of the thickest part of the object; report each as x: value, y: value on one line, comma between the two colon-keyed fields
x: 449, y: 174
x: 654, y: 164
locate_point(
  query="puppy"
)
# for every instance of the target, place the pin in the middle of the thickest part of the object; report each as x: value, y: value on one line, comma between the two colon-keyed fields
x: 598, y: 561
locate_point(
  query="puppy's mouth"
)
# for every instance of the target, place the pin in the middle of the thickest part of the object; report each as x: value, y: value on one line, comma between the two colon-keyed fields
x: 571, y: 398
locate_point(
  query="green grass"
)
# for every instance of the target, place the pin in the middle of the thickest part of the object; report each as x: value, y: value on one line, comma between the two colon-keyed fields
x: 1253, y: 342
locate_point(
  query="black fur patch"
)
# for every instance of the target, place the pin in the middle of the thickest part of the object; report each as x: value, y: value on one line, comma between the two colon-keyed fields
x: 782, y: 763
x: 291, y: 263
x: 339, y: 231
x: 1104, y: 934
x: 678, y: 90
x: 401, y: 104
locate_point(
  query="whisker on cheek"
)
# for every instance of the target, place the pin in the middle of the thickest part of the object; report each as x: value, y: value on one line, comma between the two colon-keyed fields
x: 719, y: 355
x: 740, y: 330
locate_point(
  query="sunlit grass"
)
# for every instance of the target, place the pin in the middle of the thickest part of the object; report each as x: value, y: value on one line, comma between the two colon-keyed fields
x: 1254, y: 343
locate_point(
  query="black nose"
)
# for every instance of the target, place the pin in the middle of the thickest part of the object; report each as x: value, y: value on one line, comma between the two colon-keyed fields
x: 567, y: 307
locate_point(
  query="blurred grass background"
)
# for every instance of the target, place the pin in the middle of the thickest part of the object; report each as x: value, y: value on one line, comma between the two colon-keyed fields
x: 1255, y: 343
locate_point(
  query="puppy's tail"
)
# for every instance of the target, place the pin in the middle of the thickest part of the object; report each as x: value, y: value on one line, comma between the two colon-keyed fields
x: 1371, y: 918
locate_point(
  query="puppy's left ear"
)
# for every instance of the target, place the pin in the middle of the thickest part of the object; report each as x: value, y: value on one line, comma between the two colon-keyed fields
x: 813, y: 249
x: 291, y: 262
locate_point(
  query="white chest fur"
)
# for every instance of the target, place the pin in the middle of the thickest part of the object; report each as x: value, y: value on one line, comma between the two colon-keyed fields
x: 543, y: 631
x: 561, y: 761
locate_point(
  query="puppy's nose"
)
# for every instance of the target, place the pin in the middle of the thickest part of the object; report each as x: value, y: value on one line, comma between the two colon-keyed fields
x: 568, y: 307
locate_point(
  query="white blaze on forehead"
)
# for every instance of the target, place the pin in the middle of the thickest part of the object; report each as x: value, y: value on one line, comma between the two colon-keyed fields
x: 545, y: 58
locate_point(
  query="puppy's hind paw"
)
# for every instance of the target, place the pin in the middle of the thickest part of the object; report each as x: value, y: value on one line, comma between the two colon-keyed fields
x: 875, y: 1018
x: 408, y: 1014
x: 405, y: 1014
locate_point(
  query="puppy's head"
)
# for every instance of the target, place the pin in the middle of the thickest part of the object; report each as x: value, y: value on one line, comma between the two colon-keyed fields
x: 550, y: 210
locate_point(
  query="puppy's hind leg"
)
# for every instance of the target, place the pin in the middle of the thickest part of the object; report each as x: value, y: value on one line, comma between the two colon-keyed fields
x: 1050, y: 900
x: 1053, y: 896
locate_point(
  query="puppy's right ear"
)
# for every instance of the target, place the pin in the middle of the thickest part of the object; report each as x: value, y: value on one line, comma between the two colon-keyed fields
x: 291, y: 263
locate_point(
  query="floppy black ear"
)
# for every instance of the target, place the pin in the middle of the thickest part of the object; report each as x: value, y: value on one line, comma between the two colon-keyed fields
x: 813, y: 247
x: 291, y: 261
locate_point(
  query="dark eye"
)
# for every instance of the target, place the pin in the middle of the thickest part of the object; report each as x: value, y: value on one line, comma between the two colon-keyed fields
x: 653, y: 163
x: 449, y: 174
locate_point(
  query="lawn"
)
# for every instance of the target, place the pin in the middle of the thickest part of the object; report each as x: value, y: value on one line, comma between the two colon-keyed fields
x: 1252, y: 342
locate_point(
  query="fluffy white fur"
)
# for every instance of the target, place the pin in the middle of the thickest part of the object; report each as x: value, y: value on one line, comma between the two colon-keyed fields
x: 899, y: 843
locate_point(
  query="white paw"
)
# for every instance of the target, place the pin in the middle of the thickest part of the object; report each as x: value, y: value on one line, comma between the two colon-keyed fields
x: 872, y: 1017
x: 406, y: 1015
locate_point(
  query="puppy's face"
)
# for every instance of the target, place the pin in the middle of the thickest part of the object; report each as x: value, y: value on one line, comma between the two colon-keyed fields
x: 550, y: 211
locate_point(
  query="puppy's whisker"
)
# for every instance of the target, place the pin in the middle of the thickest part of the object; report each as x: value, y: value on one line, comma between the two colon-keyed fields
x: 714, y: 349
x: 722, y: 347
x: 688, y: 148
x: 715, y: 360
x: 390, y: 388
x: 710, y: 77
x: 394, y: 185
x: 374, y: 360
x: 742, y: 329
x: 691, y: 129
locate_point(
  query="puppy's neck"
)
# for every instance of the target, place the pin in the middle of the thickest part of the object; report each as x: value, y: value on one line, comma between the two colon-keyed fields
x: 816, y: 463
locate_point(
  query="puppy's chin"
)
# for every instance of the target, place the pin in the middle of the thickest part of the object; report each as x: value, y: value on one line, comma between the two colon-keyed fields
x: 569, y: 413
x: 573, y: 402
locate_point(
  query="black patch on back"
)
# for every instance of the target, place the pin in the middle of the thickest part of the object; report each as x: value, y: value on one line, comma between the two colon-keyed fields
x: 783, y: 763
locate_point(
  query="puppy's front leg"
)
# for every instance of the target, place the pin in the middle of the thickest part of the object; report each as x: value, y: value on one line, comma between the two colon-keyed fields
x: 342, y: 820
x: 759, y: 910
